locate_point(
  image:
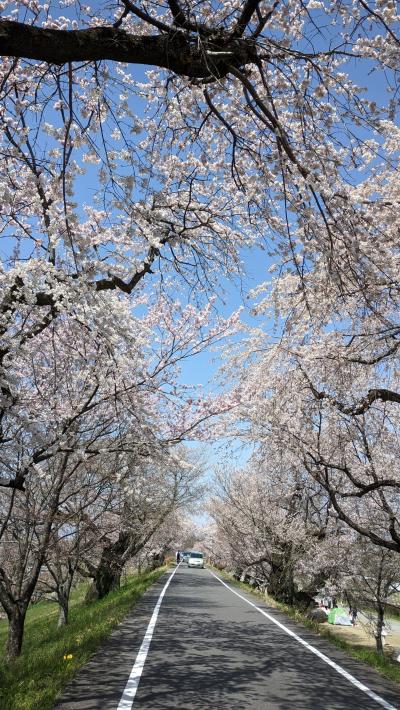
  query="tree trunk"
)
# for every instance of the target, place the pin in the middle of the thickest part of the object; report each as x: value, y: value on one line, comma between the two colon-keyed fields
x: 157, y: 560
x: 108, y: 574
x: 380, y: 624
x: 16, y: 621
x: 63, y: 603
x: 281, y: 583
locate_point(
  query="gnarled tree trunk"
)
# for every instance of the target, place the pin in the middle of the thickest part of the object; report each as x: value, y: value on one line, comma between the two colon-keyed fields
x: 16, y: 619
x: 108, y: 573
x: 280, y: 583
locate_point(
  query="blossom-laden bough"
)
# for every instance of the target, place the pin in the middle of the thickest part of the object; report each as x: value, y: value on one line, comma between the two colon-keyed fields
x: 249, y: 128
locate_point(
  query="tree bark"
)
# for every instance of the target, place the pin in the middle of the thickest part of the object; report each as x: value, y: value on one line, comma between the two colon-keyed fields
x: 157, y: 560
x: 379, y: 628
x: 16, y: 621
x: 281, y: 584
x: 108, y: 573
x: 108, y: 576
x: 173, y: 50
x: 63, y: 603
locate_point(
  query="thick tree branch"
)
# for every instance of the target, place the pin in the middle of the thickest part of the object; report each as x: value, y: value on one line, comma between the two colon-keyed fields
x: 384, y: 395
x: 16, y: 483
x: 248, y: 11
x: 263, y: 19
x: 176, y: 51
x: 180, y: 19
x: 370, y: 534
x: 393, y: 544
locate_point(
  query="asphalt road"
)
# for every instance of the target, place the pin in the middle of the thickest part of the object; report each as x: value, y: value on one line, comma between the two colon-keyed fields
x: 211, y: 650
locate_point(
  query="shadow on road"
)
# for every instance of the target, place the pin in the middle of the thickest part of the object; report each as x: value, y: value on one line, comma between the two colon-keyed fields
x: 211, y: 651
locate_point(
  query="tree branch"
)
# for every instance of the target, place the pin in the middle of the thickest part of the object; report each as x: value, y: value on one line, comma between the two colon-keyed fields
x: 180, y: 19
x: 175, y: 50
x: 16, y: 483
x: 146, y: 17
x: 363, y: 405
x: 248, y: 11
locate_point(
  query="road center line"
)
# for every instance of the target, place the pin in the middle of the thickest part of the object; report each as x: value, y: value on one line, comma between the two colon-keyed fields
x: 314, y: 650
x: 128, y: 696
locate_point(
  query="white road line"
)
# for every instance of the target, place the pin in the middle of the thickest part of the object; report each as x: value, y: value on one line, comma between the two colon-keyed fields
x: 128, y: 696
x: 314, y: 650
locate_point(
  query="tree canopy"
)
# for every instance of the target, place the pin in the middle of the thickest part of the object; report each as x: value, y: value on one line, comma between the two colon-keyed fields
x: 146, y: 150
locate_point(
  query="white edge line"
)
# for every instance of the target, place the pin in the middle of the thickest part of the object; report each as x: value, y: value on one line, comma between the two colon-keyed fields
x: 128, y: 696
x: 314, y: 650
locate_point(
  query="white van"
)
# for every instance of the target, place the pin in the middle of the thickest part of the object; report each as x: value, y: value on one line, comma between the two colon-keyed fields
x: 196, y: 559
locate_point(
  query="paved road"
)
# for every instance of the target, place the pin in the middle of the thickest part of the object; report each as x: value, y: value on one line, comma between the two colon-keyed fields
x: 213, y: 651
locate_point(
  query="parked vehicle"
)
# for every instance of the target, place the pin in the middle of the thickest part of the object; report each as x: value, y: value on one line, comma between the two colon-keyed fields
x: 196, y: 559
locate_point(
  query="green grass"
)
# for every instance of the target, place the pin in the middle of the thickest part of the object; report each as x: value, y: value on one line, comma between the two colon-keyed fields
x: 383, y: 664
x: 35, y: 679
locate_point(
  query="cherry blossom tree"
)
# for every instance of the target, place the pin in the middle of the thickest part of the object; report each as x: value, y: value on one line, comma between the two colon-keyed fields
x: 372, y: 582
x: 261, y: 84
x: 177, y: 532
x: 151, y: 494
x: 184, y: 189
x: 250, y: 128
x: 267, y: 521
x: 24, y: 541
x: 311, y: 408
x: 283, y: 539
x: 79, y: 401
x: 76, y: 532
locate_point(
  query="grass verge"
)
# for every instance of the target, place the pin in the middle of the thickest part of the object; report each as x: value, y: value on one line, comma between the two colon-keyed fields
x: 383, y: 664
x: 35, y: 679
